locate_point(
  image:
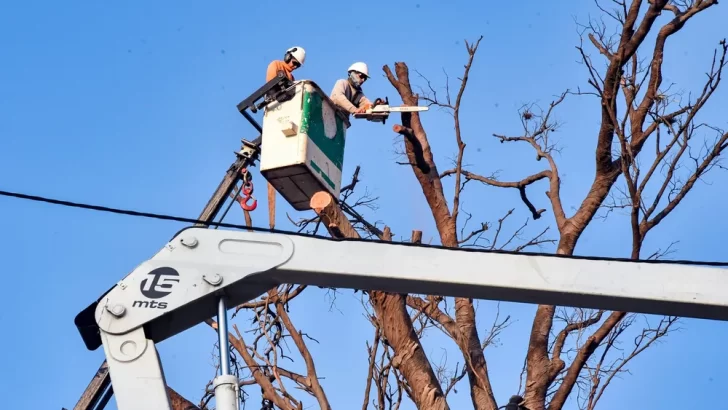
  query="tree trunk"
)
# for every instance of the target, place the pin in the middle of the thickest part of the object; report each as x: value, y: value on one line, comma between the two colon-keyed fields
x: 409, y: 357
x: 420, y: 155
x: 395, y: 322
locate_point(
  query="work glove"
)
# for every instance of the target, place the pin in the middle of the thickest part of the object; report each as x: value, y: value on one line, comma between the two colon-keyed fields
x: 363, y: 108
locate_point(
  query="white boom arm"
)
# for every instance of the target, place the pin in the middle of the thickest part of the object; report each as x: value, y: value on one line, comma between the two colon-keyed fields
x: 202, y: 271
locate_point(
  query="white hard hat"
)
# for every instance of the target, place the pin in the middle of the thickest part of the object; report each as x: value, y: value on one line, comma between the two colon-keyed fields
x: 298, y: 53
x: 360, y: 67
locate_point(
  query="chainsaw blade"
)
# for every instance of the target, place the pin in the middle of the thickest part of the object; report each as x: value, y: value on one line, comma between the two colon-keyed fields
x: 398, y: 109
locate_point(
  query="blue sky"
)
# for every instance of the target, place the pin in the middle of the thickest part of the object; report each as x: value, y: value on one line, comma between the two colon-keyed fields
x: 132, y: 104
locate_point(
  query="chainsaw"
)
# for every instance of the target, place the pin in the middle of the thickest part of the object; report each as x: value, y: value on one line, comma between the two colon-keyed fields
x: 379, y: 112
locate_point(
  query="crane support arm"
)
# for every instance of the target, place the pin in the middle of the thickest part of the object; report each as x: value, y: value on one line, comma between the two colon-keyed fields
x: 182, y: 284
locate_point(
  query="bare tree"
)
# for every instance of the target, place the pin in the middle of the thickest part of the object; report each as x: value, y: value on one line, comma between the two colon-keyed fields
x: 569, y: 349
x: 647, y: 111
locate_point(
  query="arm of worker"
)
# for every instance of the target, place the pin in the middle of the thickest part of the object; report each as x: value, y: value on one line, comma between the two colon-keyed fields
x: 276, y: 67
x: 339, y: 97
x: 364, y: 104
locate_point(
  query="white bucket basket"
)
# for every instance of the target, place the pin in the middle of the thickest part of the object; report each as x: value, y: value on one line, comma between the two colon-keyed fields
x: 303, y: 145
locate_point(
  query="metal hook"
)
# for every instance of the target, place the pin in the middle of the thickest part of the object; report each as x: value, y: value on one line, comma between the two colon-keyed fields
x: 244, y: 202
x: 247, y: 192
x: 247, y: 188
x: 247, y: 176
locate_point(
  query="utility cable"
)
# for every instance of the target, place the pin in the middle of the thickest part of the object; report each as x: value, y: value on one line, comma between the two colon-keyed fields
x: 227, y: 209
x: 252, y: 228
x: 120, y: 211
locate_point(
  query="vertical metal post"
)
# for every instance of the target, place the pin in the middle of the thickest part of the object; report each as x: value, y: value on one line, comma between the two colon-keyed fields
x: 222, y: 332
x: 226, y: 384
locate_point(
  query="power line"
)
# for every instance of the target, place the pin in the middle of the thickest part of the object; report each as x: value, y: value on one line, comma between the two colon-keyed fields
x: 251, y: 228
x: 122, y: 211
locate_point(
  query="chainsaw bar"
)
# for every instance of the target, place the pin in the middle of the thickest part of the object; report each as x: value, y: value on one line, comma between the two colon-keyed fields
x: 380, y: 112
x: 387, y: 108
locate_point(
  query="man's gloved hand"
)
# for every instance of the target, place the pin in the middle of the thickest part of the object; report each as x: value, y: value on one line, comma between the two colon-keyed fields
x: 363, y: 108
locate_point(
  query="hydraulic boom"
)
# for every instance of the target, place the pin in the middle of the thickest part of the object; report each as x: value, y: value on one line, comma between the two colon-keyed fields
x: 201, y: 272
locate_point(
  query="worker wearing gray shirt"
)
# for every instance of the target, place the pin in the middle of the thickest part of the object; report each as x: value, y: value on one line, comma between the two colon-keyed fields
x: 347, y: 93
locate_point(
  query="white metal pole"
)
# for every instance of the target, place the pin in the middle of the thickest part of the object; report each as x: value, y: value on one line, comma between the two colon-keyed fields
x: 222, y: 332
x: 226, y: 384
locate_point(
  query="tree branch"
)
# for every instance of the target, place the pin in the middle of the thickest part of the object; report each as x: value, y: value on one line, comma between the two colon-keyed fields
x: 456, y: 115
x: 591, y: 344
x: 311, y: 378
x: 372, y: 350
x: 395, y: 322
x: 268, y: 390
x: 537, y: 135
x: 520, y: 185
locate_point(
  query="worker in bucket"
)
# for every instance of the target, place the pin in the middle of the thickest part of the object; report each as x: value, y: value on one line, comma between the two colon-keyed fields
x: 347, y: 93
x: 293, y: 59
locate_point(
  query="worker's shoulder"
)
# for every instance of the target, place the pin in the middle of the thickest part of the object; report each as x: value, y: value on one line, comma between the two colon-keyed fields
x: 276, y: 63
x: 341, y: 83
x: 337, y: 87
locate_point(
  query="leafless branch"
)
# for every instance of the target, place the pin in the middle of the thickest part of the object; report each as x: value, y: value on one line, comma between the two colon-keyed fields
x: 602, y: 374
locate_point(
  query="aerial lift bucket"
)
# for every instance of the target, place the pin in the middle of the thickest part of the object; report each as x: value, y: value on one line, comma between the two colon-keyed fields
x: 303, y: 139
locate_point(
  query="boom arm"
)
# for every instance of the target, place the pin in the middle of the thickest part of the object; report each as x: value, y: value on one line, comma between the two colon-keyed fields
x: 201, y: 271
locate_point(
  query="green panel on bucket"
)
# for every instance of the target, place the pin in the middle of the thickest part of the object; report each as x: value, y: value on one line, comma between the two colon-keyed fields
x: 312, y: 124
x: 323, y: 174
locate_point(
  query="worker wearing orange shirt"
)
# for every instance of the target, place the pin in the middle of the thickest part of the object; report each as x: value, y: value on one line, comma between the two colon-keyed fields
x: 293, y: 59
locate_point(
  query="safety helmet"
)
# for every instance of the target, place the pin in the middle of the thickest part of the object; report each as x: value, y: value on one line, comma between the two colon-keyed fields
x: 296, y: 52
x: 359, y: 67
